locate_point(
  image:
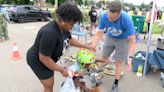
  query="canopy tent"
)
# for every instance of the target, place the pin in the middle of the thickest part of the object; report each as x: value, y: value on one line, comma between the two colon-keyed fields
x: 149, y: 37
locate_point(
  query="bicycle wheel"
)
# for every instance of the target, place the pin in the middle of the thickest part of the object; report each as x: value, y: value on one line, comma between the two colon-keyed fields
x: 109, y: 70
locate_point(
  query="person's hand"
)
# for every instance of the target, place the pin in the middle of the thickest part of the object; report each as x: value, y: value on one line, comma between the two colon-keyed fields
x: 92, y: 45
x: 90, y: 48
x: 64, y: 72
x: 129, y: 65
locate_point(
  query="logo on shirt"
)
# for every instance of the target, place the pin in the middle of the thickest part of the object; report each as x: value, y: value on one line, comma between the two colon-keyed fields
x: 113, y: 31
x: 94, y: 13
x: 65, y: 45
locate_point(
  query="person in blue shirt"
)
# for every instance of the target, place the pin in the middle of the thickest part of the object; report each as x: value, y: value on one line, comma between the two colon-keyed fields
x: 119, y: 37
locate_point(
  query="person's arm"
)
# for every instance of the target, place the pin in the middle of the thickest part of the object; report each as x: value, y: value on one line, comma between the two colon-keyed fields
x: 149, y: 17
x: 132, y: 43
x: 50, y: 64
x: 99, y: 31
x: 47, y: 45
x: 76, y: 43
x: 97, y: 37
x: 129, y: 28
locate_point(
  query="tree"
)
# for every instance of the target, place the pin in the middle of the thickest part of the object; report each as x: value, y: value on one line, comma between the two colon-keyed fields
x: 37, y: 2
x: 62, y: 1
x: 142, y: 6
x: 24, y: 1
x: 133, y: 8
x: 79, y: 2
x: 14, y: 1
x: 89, y: 2
x: 1, y: 1
x: 59, y: 1
x: 7, y: 2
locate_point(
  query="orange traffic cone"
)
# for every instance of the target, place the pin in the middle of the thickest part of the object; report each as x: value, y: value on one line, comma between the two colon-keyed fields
x: 15, y: 55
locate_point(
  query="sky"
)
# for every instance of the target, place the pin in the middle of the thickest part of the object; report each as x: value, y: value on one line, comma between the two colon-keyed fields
x: 159, y: 3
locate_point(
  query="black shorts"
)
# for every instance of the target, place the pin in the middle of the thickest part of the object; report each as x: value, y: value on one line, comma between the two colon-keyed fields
x: 41, y: 71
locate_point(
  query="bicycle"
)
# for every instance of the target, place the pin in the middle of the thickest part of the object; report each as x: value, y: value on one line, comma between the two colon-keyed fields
x: 109, y: 68
x: 80, y: 85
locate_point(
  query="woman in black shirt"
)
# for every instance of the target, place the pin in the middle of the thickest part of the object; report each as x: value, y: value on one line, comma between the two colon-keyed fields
x: 48, y: 45
x: 93, y: 17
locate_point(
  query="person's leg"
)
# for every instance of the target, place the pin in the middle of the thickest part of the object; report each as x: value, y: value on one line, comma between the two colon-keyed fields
x: 91, y: 27
x: 160, y: 17
x: 148, y: 26
x: 5, y: 32
x: 118, y: 70
x: 45, y: 75
x: 157, y: 16
x: 120, y: 56
x: 107, y: 49
x: 48, y: 84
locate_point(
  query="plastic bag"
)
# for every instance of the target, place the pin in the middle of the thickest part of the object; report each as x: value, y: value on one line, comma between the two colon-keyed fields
x: 69, y: 86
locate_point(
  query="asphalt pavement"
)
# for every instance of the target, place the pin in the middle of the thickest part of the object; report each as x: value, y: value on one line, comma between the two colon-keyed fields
x: 16, y: 76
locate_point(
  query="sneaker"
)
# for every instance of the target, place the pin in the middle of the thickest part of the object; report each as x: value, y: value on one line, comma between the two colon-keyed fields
x: 114, y: 88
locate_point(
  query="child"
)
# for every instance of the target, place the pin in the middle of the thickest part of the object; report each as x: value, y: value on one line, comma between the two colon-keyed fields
x: 84, y: 59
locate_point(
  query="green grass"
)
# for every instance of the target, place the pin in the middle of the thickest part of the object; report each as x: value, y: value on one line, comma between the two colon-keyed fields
x: 155, y: 30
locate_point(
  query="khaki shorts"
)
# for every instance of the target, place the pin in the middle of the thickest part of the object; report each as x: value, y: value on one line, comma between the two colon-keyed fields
x: 120, y: 46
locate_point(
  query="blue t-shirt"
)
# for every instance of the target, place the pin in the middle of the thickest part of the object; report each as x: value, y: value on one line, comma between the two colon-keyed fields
x: 120, y: 29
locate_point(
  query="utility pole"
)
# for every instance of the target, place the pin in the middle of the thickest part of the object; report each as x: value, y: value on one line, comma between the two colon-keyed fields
x: 123, y: 4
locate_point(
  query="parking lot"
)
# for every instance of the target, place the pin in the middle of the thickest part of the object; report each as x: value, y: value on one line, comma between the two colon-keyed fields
x: 16, y: 76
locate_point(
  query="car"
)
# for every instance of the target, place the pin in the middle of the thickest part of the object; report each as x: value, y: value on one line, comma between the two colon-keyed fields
x: 22, y: 13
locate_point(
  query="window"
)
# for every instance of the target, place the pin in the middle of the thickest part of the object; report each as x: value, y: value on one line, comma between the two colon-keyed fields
x: 35, y: 8
x: 27, y: 8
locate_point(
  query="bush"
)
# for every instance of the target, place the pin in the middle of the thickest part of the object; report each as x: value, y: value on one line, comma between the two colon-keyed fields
x: 85, y: 17
x: 53, y: 14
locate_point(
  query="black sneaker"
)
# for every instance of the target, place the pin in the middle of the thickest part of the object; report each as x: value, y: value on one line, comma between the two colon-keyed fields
x: 114, y: 88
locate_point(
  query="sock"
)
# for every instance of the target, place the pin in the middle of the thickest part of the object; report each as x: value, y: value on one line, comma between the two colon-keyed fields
x: 116, y: 81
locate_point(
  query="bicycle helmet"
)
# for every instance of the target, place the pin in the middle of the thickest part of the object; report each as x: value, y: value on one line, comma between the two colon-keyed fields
x: 85, y: 56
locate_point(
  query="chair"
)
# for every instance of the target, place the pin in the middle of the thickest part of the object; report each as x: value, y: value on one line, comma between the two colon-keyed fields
x: 76, y: 31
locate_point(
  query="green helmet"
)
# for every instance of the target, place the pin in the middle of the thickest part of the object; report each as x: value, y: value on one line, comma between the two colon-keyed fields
x: 85, y: 56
